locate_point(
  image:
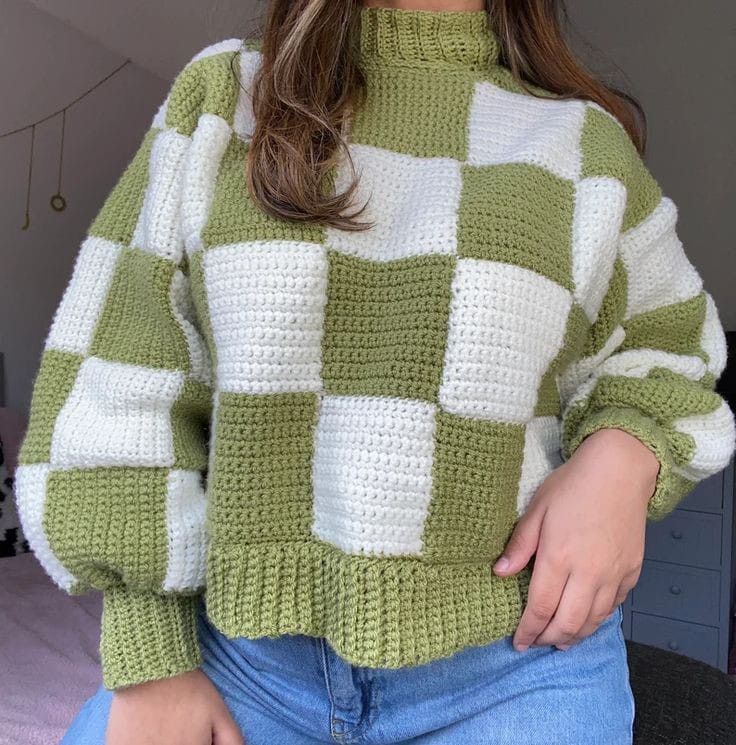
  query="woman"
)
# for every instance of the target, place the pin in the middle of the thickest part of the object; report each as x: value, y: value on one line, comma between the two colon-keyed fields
x: 431, y: 439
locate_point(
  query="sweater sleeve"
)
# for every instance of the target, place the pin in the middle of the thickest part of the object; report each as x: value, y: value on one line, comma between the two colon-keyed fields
x: 657, y: 347
x: 112, y: 468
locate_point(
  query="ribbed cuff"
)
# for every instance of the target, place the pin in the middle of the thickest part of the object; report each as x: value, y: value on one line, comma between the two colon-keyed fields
x: 146, y: 636
x: 670, y: 488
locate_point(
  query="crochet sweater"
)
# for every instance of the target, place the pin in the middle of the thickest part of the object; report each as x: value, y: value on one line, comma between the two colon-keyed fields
x: 331, y: 432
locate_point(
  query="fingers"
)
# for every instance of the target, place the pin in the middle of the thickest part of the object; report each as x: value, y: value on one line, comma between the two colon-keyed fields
x: 225, y: 731
x: 571, y: 613
x: 582, y: 609
x: 521, y: 545
x: 603, y: 605
x: 545, y: 590
x: 622, y: 592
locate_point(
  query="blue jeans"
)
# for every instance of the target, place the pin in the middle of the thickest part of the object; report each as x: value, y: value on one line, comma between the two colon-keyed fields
x: 295, y: 690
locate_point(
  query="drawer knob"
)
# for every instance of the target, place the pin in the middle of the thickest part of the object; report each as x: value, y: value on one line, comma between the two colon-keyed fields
x: 674, y: 646
x: 675, y: 590
x: 676, y: 534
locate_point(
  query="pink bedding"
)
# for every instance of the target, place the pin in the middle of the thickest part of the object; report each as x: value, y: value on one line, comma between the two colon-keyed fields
x: 49, y: 659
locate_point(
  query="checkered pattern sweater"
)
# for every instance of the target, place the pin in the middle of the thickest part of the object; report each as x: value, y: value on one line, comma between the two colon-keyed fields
x: 332, y: 432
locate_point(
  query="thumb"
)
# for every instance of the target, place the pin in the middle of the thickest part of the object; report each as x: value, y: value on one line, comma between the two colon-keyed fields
x: 521, y: 545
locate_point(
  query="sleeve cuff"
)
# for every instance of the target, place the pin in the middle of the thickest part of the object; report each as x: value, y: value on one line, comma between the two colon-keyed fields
x: 146, y: 636
x: 670, y: 487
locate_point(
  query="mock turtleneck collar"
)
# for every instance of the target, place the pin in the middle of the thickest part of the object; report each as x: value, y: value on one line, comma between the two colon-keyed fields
x: 426, y: 38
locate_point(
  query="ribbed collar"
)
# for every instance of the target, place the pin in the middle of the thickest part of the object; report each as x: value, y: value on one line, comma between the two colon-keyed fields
x: 426, y: 38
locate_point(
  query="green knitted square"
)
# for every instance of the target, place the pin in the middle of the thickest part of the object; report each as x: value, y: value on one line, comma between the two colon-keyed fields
x: 675, y: 327
x: 265, y: 450
x: 118, y: 216
x: 137, y: 324
x: 108, y: 524
x: 54, y: 381
x: 473, y: 504
x: 607, y: 150
x: 207, y: 85
x: 387, y: 122
x: 386, y: 325
x: 520, y: 214
x: 662, y: 395
x: 190, y: 419
x: 610, y: 312
x: 576, y: 331
x: 548, y: 396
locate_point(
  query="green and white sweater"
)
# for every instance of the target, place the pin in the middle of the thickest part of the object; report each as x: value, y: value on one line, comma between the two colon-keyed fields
x: 331, y: 432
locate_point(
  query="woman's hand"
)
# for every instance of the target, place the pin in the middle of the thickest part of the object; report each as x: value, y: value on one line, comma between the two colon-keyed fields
x: 586, y: 523
x: 184, y: 709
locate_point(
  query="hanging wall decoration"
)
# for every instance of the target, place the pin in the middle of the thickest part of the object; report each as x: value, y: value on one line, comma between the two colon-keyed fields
x: 58, y: 200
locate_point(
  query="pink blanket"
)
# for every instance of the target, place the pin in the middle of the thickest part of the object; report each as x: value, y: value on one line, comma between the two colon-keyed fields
x: 49, y: 659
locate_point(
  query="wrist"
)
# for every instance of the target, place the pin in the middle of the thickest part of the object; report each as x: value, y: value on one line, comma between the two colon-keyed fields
x: 640, y: 461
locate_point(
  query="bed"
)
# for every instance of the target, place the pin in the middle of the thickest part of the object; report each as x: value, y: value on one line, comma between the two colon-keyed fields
x: 49, y: 657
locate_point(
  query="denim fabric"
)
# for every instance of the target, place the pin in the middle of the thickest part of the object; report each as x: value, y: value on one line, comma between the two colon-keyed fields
x: 296, y: 690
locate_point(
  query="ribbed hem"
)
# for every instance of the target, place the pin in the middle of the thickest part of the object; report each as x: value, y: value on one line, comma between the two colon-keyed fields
x: 146, y: 636
x: 375, y: 612
x: 670, y: 488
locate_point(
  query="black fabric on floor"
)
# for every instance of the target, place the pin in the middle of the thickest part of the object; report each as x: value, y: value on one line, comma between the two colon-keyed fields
x: 680, y: 701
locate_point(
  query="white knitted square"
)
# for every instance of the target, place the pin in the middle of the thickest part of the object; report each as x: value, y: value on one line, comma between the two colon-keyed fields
x: 159, y: 118
x: 158, y: 229
x: 73, y: 326
x: 218, y: 47
x: 599, y: 209
x: 266, y: 302
x: 117, y: 414
x: 658, y: 269
x: 506, y: 127
x: 541, y: 456
x: 713, y: 337
x: 412, y: 201
x: 186, y: 510
x: 714, y: 435
x: 209, y: 143
x: 372, y: 473
x: 184, y: 311
x: 507, y: 323
x: 243, y: 118
x: 30, y: 488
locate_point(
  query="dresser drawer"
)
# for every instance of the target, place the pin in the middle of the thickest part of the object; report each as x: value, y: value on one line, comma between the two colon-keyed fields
x: 680, y: 592
x: 692, y: 538
x: 690, y: 639
x: 707, y: 496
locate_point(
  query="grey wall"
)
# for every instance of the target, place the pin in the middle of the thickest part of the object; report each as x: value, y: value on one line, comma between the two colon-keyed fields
x: 678, y: 57
x: 44, y: 64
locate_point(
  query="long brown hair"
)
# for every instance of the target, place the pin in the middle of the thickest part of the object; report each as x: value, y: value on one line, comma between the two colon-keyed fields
x: 308, y: 82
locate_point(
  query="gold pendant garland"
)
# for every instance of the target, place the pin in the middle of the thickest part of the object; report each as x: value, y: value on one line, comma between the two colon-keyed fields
x: 57, y: 201
x: 27, y: 223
